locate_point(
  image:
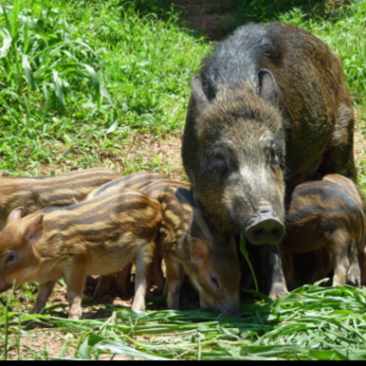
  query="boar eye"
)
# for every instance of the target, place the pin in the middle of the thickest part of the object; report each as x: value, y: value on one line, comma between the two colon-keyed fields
x: 10, y: 257
x: 274, y: 154
x: 219, y: 155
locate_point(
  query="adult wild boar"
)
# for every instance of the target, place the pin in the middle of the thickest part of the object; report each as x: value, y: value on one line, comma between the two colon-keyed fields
x: 269, y: 109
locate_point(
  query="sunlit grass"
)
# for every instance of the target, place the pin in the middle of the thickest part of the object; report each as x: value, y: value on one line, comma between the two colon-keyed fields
x: 77, y: 78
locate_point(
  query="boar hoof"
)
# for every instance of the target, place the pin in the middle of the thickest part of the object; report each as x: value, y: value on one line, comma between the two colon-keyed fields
x: 353, y: 278
x: 278, y: 290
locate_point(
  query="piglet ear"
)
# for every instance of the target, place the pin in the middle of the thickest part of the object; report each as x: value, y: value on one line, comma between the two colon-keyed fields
x: 2, y: 173
x: 199, y: 97
x: 74, y: 201
x: 15, y: 215
x: 34, y: 229
x: 200, y: 251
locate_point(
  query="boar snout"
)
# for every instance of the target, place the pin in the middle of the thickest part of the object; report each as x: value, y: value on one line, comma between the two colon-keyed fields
x: 265, y: 229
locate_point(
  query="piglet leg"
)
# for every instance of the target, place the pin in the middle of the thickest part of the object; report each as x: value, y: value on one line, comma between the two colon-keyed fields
x: 157, y: 272
x: 143, y: 263
x: 123, y: 278
x: 102, y: 286
x: 75, y: 279
x: 354, y: 271
x: 44, y: 292
x: 173, y: 282
x: 339, y: 241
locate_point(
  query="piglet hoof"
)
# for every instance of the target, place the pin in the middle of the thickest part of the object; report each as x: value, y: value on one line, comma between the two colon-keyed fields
x: 76, y: 315
x: 138, y: 305
x: 277, y: 291
x: 173, y: 303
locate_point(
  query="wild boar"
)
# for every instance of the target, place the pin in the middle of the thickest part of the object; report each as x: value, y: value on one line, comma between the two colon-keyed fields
x: 269, y: 110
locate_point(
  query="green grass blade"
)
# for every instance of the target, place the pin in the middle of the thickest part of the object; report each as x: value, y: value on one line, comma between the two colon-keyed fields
x: 15, y: 15
x: 59, y: 92
x: 94, y: 82
x: 28, y: 72
x: 243, y: 251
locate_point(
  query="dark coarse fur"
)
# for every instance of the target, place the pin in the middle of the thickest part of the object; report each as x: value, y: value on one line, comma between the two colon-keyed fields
x: 267, y: 87
x: 313, y: 100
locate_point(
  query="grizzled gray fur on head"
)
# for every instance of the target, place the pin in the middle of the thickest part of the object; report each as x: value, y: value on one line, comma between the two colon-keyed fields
x: 238, y: 58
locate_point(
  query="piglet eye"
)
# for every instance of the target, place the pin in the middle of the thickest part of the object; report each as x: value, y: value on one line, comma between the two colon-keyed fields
x: 10, y: 257
x: 215, y: 281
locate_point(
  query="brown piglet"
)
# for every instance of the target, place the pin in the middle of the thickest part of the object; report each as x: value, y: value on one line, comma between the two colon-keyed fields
x: 327, y: 217
x: 137, y: 181
x: 95, y: 237
x: 190, y: 244
x: 35, y: 193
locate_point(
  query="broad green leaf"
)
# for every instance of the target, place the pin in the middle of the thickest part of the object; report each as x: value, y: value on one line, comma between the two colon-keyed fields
x: 84, y: 349
x: 6, y: 42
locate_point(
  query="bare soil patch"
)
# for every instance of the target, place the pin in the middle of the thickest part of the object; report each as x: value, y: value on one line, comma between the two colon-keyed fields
x: 201, y: 15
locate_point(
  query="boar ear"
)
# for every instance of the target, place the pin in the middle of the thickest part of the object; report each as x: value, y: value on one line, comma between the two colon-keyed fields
x: 15, y: 215
x: 2, y: 173
x: 267, y: 87
x: 34, y: 230
x: 199, y: 252
x: 202, y: 103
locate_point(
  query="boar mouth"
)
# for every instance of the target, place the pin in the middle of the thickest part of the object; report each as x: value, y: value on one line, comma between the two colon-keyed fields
x: 265, y: 229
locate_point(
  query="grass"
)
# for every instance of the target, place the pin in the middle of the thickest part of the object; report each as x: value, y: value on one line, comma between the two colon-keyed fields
x: 77, y: 78
x: 78, y: 81
x: 310, y: 323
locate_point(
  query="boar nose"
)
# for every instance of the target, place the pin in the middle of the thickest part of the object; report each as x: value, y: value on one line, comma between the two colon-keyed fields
x: 267, y: 229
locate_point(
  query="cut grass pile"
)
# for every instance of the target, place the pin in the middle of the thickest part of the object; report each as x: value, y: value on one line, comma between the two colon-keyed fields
x: 311, y: 323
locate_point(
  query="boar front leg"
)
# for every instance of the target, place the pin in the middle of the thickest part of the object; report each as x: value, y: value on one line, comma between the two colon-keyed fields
x: 44, y: 292
x: 273, y: 278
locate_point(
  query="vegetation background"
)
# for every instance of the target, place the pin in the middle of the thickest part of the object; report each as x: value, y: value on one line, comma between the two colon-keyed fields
x: 106, y: 83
